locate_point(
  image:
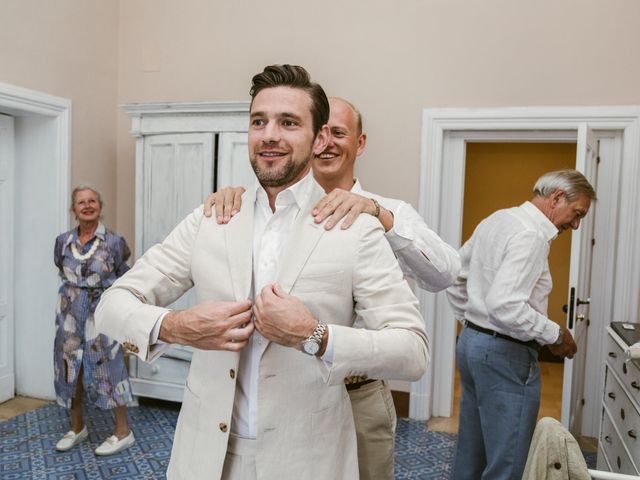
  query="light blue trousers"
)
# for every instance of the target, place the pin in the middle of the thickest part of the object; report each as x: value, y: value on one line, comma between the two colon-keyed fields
x: 499, y: 405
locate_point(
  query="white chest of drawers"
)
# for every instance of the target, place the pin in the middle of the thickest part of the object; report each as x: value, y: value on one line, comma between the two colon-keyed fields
x: 619, y: 442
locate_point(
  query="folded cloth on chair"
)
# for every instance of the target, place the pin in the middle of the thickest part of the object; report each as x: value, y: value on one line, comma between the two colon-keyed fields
x: 554, y: 454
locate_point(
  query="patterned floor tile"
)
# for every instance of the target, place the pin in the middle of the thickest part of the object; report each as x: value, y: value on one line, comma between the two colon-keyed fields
x: 27, y: 447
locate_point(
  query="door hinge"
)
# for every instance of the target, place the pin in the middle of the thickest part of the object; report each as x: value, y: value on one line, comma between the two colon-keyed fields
x: 582, y: 402
x: 588, y: 322
x: 598, y: 159
x: 593, y: 242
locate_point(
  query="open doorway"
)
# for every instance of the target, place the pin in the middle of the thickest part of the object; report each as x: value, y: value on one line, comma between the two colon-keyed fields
x: 502, y: 175
x: 614, y: 290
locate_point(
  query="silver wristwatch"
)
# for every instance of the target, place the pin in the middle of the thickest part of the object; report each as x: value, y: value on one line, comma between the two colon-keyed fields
x: 560, y: 338
x: 312, y: 344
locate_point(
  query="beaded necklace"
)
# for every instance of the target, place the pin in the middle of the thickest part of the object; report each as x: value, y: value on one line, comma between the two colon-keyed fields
x: 83, y: 256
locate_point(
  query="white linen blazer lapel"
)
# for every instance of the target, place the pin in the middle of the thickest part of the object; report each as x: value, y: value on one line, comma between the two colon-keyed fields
x: 239, y: 245
x: 304, y: 237
x: 302, y: 240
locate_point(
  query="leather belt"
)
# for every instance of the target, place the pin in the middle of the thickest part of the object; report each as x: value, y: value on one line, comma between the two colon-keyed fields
x: 531, y: 343
x: 350, y: 384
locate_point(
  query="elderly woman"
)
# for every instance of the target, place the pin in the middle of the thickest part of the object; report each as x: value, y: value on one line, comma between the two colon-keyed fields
x: 87, y: 364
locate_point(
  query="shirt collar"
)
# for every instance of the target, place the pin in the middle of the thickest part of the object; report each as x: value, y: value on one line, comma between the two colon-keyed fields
x: 357, y: 188
x: 547, y: 227
x: 100, y: 233
x: 295, y: 194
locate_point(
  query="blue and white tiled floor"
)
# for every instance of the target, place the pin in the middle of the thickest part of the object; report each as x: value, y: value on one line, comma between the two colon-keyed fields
x: 27, y: 447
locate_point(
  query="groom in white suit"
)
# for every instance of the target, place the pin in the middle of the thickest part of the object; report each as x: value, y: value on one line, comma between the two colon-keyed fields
x: 273, y: 332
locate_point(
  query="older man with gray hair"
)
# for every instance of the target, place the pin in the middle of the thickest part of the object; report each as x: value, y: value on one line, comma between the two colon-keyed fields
x: 501, y: 298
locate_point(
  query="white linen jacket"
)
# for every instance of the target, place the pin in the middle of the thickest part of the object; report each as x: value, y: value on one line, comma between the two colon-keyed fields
x: 305, y: 425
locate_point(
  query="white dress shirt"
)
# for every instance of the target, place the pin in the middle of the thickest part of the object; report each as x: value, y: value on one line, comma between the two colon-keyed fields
x: 504, y: 283
x: 421, y: 253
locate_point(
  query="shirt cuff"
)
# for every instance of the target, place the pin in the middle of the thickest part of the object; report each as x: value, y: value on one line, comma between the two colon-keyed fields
x: 157, y: 347
x: 402, y: 233
x: 551, y: 332
x: 155, y: 332
x: 327, y: 358
x: 396, y: 240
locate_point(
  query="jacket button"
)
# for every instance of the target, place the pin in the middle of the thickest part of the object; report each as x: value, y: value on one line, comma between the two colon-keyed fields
x: 223, y: 427
x: 232, y: 373
x: 557, y: 466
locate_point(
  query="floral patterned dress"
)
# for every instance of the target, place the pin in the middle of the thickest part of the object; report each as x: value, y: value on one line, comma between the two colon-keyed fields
x: 77, y: 344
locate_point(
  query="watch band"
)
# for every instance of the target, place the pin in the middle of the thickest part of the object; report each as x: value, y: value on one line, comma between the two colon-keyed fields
x: 377, y: 206
x: 313, y: 343
x: 560, y: 338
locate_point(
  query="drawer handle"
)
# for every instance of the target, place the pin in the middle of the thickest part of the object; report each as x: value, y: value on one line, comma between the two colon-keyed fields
x: 607, y: 439
x: 632, y: 434
x: 613, y: 354
x: 635, y: 385
x: 612, y: 395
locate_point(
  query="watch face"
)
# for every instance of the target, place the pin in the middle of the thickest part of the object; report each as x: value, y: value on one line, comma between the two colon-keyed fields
x: 310, y: 347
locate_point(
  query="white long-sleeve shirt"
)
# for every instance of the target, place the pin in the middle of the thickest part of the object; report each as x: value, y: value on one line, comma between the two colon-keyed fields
x: 270, y: 231
x: 421, y: 253
x: 504, y: 283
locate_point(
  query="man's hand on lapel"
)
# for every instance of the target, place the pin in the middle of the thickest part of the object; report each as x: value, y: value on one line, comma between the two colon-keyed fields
x: 210, y: 326
x: 282, y: 318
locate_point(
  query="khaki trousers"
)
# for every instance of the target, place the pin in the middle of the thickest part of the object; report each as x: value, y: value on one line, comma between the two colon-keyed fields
x: 240, y: 461
x: 375, y: 419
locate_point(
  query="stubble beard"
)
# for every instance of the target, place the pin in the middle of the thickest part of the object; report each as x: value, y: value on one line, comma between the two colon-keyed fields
x: 277, y: 177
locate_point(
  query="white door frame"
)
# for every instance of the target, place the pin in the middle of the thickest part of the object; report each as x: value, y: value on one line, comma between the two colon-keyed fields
x: 42, y: 149
x: 444, y: 135
x: 18, y: 102
x: 7, y: 367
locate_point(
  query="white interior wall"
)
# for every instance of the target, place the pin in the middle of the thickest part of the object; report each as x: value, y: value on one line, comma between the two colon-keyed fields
x: 392, y: 59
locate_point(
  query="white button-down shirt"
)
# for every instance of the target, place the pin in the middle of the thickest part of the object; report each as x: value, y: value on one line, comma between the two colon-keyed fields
x: 271, y: 229
x: 504, y: 283
x: 421, y: 253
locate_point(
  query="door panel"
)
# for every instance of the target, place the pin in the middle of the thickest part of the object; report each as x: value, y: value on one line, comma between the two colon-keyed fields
x: 178, y: 175
x: 234, y: 168
x: 579, y: 289
x: 7, y: 374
